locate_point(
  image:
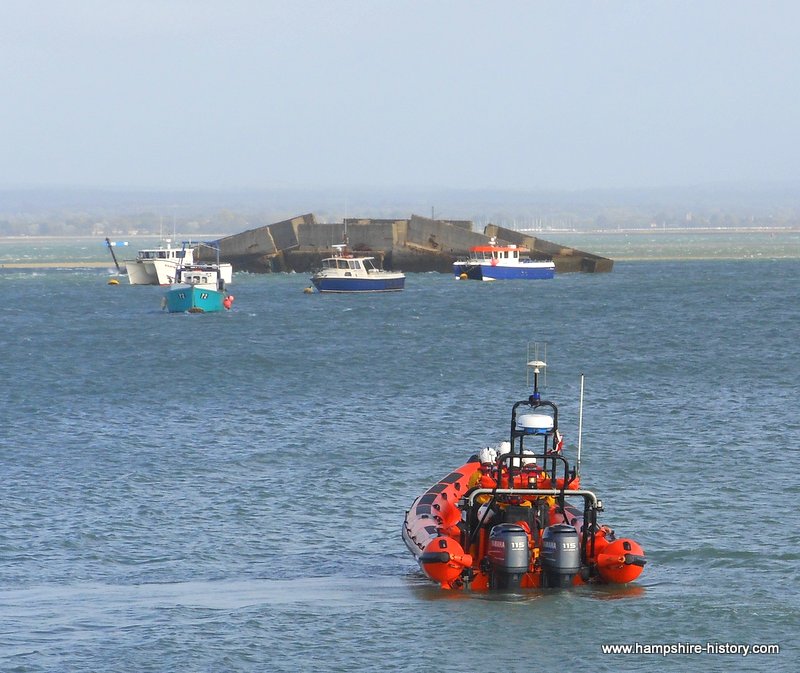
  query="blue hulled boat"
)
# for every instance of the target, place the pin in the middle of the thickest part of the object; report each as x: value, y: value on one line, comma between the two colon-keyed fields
x: 502, y: 262
x: 345, y: 273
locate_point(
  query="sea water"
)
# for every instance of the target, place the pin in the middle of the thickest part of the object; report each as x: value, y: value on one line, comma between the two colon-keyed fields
x: 225, y: 492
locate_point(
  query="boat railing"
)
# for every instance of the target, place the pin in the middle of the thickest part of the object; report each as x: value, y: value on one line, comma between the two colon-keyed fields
x: 588, y: 496
x: 553, y: 458
x: 591, y: 506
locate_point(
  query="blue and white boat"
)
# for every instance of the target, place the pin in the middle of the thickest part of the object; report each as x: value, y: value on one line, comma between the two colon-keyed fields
x: 345, y: 273
x: 502, y: 262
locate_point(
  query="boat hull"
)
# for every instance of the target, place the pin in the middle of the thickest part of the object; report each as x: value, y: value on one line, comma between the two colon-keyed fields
x: 151, y: 272
x: 354, y: 284
x: 193, y: 299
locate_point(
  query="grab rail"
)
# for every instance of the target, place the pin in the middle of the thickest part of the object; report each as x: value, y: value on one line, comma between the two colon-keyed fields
x: 591, y: 505
x: 586, y: 495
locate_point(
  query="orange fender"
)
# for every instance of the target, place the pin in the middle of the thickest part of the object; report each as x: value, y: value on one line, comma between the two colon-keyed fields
x: 443, y: 560
x: 620, y: 561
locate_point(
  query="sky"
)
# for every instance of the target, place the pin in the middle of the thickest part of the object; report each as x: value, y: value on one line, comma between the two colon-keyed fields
x: 457, y: 94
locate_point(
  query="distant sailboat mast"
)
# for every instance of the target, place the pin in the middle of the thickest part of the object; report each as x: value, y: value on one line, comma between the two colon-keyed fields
x: 346, y: 241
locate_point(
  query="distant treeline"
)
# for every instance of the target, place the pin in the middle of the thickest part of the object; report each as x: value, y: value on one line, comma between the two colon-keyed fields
x: 126, y: 213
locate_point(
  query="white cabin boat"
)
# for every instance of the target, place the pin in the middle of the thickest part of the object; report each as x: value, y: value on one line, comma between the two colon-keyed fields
x: 345, y: 273
x: 158, y: 266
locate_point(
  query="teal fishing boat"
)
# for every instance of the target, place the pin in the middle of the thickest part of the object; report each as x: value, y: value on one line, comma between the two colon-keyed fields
x: 199, y: 288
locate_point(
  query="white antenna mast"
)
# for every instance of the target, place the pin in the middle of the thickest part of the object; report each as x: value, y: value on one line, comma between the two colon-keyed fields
x: 535, y: 362
x: 580, y: 430
x: 344, y: 221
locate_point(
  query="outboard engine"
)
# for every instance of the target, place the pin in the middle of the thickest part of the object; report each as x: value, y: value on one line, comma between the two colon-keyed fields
x: 509, y: 556
x: 561, y: 555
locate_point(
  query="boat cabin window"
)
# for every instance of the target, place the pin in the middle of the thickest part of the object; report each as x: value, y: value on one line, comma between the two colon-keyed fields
x: 353, y: 264
x: 369, y: 265
x: 326, y: 264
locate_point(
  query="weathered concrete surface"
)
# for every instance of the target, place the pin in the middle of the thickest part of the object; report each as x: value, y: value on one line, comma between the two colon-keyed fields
x: 262, y: 249
x: 416, y: 244
x: 381, y: 235
x: 440, y: 236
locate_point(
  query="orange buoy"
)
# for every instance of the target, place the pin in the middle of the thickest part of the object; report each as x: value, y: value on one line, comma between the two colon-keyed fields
x: 228, y: 301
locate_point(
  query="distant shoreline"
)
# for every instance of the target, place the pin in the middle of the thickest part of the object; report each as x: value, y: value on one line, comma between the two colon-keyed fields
x: 56, y: 265
x: 670, y: 230
x: 102, y: 239
x: 633, y: 258
x: 750, y: 247
x: 531, y: 232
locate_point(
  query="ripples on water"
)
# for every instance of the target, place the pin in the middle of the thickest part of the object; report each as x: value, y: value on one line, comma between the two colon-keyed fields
x: 225, y: 492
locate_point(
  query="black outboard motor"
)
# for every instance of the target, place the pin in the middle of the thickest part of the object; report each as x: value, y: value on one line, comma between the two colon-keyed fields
x: 509, y: 555
x: 561, y: 555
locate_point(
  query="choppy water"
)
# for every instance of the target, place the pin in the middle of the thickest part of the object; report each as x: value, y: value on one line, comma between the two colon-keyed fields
x: 225, y: 492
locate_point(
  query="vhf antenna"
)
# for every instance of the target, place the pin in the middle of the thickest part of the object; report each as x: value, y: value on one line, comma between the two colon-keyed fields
x: 536, y: 365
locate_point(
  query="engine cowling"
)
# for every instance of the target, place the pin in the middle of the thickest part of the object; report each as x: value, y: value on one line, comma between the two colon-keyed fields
x: 509, y: 556
x: 561, y: 555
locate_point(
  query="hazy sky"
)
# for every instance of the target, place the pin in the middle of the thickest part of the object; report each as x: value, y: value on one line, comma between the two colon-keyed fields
x: 465, y: 94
